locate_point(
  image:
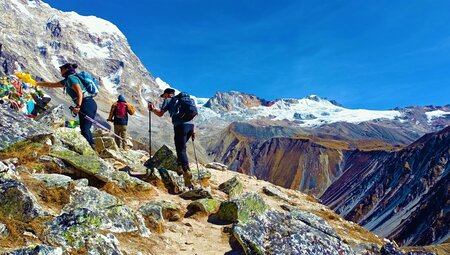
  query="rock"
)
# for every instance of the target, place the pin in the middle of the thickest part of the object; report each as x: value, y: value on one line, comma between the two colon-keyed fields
x: 81, y: 182
x: 274, y: 231
x: 53, y: 117
x: 114, y: 215
x: 163, y: 158
x: 155, y: 212
x: 72, y: 140
x: 273, y: 191
x: 128, y: 182
x: 73, y: 228
x: 217, y: 166
x: 173, y: 182
x: 314, y: 221
x: 57, y: 161
x: 40, y: 249
x: 241, y: 209
x: 3, y: 231
x: 103, y: 144
x: 205, y: 205
x: 95, y: 166
x: 195, y: 194
x: 15, y: 128
x: 393, y: 249
x: 232, y: 187
x: 366, y: 249
x: 16, y: 202
x: 200, y: 174
x: 53, y: 180
x: 101, y: 244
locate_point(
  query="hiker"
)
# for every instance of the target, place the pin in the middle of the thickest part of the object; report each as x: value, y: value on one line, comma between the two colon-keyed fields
x: 84, y: 101
x: 119, y: 115
x: 183, y: 129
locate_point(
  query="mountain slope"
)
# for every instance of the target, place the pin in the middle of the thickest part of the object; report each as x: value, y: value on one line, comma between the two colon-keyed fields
x: 401, y: 195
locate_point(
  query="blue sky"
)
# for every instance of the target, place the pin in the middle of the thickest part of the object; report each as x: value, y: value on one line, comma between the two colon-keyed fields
x: 363, y: 54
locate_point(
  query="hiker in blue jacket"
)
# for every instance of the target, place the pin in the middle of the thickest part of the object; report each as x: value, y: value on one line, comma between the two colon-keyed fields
x: 183, y: 130
x: 84, y: 102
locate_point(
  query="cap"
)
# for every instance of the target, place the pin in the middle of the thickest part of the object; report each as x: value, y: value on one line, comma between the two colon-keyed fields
x: 168, y: 91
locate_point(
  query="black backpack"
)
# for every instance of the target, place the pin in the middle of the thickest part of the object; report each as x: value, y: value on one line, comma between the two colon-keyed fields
x: 186, y: 107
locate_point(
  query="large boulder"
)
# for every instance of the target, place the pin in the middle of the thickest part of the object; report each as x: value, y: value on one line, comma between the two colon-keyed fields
x: 163, y: 158
x: 274, y: 231
x: 97, y: 167
x: 72, y: 140
x: 17, y: 202
x: 242, y: 208
x: 14, y: 127
x: 40, y: 249
x: 155, y: 212
x: 77, y: 229
x: 233, y: 187
x: 114, y: 215
x: 205, y: 205
x: 53, y: 180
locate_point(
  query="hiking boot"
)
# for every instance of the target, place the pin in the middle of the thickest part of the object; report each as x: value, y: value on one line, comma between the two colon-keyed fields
x: 188, y: 179
x: 179, y: 170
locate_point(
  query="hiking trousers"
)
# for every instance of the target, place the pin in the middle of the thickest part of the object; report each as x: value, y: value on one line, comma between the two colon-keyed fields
x: 183, y: 133
x: 121, y: 131
x: 88, y: 107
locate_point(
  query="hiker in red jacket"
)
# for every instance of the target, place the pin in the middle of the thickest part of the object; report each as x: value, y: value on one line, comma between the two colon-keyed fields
x: 119, y: 115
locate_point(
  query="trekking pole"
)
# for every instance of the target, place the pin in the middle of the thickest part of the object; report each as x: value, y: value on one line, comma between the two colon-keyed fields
x: 196, y: 161
x: 150, y: 131
x: 97, y: 124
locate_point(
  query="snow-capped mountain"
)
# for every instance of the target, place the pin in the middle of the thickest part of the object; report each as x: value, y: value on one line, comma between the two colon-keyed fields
x: 37, y: 39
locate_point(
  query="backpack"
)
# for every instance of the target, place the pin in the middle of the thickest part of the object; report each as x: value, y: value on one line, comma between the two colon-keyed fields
x: 89, y: 83
x: 121, y: 110
x: 186, y: 107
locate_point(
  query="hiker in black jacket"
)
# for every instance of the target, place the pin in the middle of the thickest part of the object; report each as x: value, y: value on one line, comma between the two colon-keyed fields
x: 84, y: 102
x: 183, y: 130
x: 119, y: 115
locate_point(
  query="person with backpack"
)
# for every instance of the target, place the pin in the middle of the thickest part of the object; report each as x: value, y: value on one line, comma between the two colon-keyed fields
x: 82, y: 95
x: 119, y: 115
x: 182, y: 109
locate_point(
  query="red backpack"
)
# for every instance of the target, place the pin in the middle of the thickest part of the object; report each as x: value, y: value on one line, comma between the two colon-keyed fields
x: 121, y: 110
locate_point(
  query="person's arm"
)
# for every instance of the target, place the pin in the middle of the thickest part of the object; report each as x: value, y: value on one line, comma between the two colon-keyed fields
x: 111, y: 112
x: 79, y: 101
x: 130, y: 109
x: 157, y: 112
x: 49, y: 84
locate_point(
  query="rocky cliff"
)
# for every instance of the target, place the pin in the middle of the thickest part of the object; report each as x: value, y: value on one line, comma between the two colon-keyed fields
x: 402, y: 195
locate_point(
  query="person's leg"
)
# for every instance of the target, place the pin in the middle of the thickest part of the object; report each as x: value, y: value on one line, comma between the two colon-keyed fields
x: 182, y: 134
x: 124, y: 136
x: 117, y: 132
x: 88, y: 107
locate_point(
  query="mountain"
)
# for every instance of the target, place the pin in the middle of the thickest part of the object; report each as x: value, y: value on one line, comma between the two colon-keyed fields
x: 61, y: 197
x: 401, y: 195
x: 36, y: 38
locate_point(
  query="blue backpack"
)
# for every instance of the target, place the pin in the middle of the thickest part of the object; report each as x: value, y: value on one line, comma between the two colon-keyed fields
x: 89, y: 83
x: 186, y: 107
